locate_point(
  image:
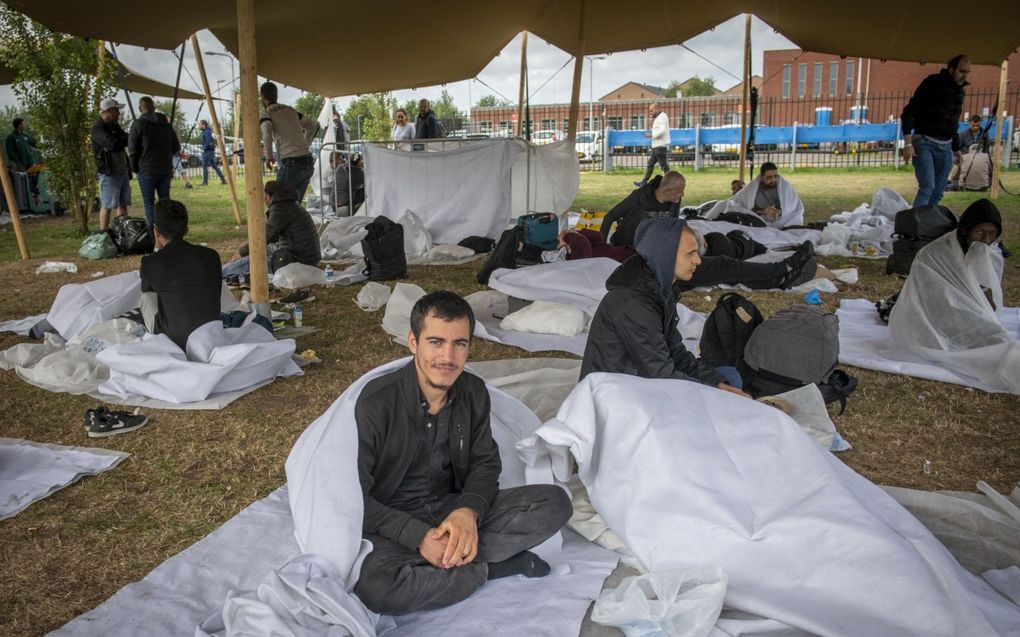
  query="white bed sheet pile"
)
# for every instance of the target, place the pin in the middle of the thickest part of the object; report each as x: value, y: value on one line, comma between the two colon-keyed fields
x: 340, y: 242
x: 79, y: 306
x: 804, y: 540
x: 21, y: 327
x: 864, y: 342
x: 30, y: 471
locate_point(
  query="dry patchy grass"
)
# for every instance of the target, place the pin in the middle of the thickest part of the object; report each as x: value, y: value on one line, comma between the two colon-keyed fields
x: 191, y: 471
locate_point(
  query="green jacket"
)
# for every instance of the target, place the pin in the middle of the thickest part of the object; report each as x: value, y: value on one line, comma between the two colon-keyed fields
x: 20, y: 150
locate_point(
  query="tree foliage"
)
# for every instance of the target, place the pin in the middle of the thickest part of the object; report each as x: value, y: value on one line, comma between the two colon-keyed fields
x: 376, y: 113
x: 309, y: 105
x: 489, y: 101
x: 180, y: 123
x: 56, y: 81
x: 694, y: 87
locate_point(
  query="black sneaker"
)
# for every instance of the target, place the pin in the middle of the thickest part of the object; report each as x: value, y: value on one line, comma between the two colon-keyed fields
x: 296, y: 297
x: 116, y: 422
x: 93, y: 415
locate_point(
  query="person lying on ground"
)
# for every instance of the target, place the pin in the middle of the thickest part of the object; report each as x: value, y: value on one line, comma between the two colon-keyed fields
x: 429, y: 471
x: 290, y: 234
x: 634, y: 330
x: 659, y: 197
x: 770, y: 197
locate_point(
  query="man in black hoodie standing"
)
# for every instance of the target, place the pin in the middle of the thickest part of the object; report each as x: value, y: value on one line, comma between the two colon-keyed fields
x: 930, y: 123
x: 152, y: 144
x: 634, y: 330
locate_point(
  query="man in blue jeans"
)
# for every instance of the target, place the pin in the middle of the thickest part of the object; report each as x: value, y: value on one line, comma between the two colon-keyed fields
x: 152, y: 144
x: 208, y: 154
x: 291, y: 133
x: 930, y: 123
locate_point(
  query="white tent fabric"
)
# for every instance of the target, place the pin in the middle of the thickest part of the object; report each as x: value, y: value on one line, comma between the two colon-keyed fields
x: 545, y: 178
x: 803, y: 539
x: 790, y: 204
x: 30, y: 471
x: 79, y: 306
x: 864, y: 342
x: 942, y: 314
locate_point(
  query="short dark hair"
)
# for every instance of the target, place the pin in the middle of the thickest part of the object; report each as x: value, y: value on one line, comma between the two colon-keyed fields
x: 17, y: 122
x: 955, y: 62
x: 767, y: 166
x: 148, y: 102
x: 269, y: 91
x: 976, y: 118
x: 274, y: 189
x: 445, y: 305
x: 170, y: 217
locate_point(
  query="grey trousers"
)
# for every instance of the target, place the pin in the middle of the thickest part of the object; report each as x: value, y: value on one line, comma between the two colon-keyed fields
x: 659, y: 155
x: 395, y: 580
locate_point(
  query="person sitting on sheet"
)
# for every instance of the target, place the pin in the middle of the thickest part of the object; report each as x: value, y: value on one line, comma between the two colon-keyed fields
x: 634, y: 330
x: 770, y: 197
x: 659, y: 197
x: 947, y: 310
x: 429, y: 470
x: 291, y: 236
x: 180, y: 281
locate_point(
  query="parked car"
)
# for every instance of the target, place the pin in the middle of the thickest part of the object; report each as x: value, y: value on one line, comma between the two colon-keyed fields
x: 545, y: 137
x: 588, y: 145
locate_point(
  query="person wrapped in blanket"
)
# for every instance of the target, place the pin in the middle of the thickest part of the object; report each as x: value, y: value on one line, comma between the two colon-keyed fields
x: 949, y: 310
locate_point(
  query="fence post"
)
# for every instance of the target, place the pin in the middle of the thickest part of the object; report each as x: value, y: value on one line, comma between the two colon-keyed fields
x: 793, y: 148
x: 697, y: 146
x: 896, y: 145
x: 1007, y: 146
x: 607, y: 157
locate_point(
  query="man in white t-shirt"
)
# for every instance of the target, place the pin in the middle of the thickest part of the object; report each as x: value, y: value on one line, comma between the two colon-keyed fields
x: 659, y: 134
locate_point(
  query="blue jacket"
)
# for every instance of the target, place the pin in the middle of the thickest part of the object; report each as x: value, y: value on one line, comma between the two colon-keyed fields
x: 207, y: 140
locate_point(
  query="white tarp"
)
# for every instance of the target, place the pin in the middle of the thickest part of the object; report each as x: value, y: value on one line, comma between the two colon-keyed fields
x: 802, y: 538
x: 545, y: 178
x: 79, y: 306
x: 30, y: 471
x: 942, y: 314
x: 789, y: 202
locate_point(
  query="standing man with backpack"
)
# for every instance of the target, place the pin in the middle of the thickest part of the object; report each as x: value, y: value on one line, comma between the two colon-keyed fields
x: 291, y: 134
x: 152, y: 143
x: 109, y: 143
x: 426, y: 125
x: 930, y: 123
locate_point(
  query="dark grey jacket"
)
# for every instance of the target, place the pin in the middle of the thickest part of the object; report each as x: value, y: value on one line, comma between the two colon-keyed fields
x: 109, y: 143
x: 427, y: 126
x: 152, y: 144
x: 292, y: 229
x: 387, y: 411
x: 628, y: 213
x: 934, y: 109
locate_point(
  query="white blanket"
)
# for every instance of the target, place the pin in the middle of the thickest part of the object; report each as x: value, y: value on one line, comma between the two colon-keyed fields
x: 864, y: 342
x: 802, y: 538
x: 771, y: 238
x: 79, y: 306
x: 943, y: 317
x: 21, y: 327
x: 789, y: 203
x: 30, y: 471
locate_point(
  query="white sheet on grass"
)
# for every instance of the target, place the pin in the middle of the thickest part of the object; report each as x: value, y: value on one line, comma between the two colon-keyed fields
x: 943, y: 317
x: 804, y: 540
x: 30, y: 471
x: 79, y: 306
x: 21, y: 327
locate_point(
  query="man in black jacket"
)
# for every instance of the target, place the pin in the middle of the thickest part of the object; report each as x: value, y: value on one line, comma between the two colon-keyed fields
x: 180, y: 281
x: 290, y: 233
x: 930, y: 123
x: 109, y: 142
x: 634, y: 330
x: 659, y: 197
x: 426, y: 125
x: 429, y: 470
x: 152, y: 143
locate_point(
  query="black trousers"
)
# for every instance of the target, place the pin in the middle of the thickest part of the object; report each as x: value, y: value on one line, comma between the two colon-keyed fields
x: 726, y: 270
x: 395, y: 580
x: 657, y: 156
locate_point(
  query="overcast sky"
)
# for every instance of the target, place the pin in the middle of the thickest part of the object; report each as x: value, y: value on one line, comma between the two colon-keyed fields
x: 659, y: 66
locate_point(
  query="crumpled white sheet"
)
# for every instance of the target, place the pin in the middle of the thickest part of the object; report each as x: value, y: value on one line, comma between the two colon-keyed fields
x: 30, y: 471
x: 79, y: 306
x: 21, y: 327
x: 803, y: 539
x: 942, y: 314
x: 49, y: 267
x: 581, y: 283
x: 865, y: 226
x: 864, y: 342
x: 298, y: 275
x: 790, y: 203
x: 341, y: 241
x: 887, y: 202
x: 546, y: 317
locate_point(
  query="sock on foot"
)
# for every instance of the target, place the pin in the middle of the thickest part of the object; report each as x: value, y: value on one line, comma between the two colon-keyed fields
x: 524, y: 563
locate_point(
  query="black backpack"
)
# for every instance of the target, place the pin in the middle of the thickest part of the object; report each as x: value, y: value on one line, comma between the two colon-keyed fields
x: 384, y: 250
x: 131, y: 235
x: 913, y: 229
x: 510, y: 252
x: 727, y: 331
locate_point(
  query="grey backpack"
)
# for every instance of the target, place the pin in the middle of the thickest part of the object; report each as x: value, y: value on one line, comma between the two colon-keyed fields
x: 798, y: 344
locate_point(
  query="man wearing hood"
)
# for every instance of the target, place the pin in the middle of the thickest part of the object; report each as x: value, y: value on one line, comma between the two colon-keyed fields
x: 634, y: 330
x: 930, y: 123
x: 660, y: 196
x: 152, y: 144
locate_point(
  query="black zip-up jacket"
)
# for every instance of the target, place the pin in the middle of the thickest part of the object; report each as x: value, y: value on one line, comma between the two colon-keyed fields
x: 152, y: 144
x: 108, y: 140
x: 634, y: 331
x: 935, y: 108
x: 628, y: 213
x: 387, y: 411
x: 291, y: 227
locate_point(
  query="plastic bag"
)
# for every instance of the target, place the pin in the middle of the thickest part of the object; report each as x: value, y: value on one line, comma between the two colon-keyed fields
x: 674, y: 603
x: 836, y: 234
x: 887, y: 202
x: 298, y: 275
x: 373, y: 296
x: 417, y: 240
x: 97, y: 246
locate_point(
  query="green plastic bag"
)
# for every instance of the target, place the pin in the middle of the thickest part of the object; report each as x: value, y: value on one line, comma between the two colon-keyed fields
x: 97, y: 246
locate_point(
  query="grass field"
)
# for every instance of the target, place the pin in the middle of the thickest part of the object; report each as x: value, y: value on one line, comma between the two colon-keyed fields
x: 191, y: 471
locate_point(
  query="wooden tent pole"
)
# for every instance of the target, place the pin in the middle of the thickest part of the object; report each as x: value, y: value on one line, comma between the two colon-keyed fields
x: 12, y: 204
x: 216, y: 128
x: 99, y: 73
x: 253, y: 157
x: 521, y: 96
x: 997, y: 153
x: 745, y: 95
x: 575, y: 91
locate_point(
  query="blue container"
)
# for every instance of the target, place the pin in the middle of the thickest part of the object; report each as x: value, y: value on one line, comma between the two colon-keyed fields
x: 823, y: 116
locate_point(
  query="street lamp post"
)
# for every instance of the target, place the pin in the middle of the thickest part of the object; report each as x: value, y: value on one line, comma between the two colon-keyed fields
x: 591, y: 88
x: 233, y: 76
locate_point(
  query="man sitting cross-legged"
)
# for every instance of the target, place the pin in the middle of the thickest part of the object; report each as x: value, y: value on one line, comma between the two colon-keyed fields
x: 429, y: 470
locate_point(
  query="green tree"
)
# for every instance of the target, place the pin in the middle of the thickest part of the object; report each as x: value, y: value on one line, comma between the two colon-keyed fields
x: 488, y: 101
x: 309, y: 105
x: 56, y: 80
x: 694, y: 87
x: 180, y: 123
x: 376, y: 113
x: 446, y: 111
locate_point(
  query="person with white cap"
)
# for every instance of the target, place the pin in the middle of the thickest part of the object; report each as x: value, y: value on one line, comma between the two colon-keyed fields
x: 109, y: 143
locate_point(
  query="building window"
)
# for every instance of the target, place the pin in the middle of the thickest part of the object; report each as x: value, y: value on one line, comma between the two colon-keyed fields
x: 818, y: 80
x: 801, y: 79
x: 731, y: 118
x: 708, y: 119
x: 848, y: 82
x: 591, y: 124
x: 485, y: 127
x: 506, y: 125
x: 786, y: 81
x: 615, y: 122
x: 685, y: 120
x: 566, y: 124
x: 548, y: 124
x: 637, y: 122
x: 833, y: 78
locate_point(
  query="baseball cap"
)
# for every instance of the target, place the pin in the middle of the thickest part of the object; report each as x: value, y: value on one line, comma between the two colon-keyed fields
x: 109, y: 103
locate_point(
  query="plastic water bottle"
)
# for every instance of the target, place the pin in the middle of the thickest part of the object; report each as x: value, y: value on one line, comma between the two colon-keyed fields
x: 330, y: 276
x: 298, y: 316
x: 241, y: 279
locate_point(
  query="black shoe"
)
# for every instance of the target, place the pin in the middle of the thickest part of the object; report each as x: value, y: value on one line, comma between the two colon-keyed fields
x: 109, y: 423
x: 803, y: 274
x: 94, y: 415
x: 296, y: 297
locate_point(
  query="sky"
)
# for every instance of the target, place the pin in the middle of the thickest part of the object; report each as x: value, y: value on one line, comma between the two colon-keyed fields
x: 549, y: 83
